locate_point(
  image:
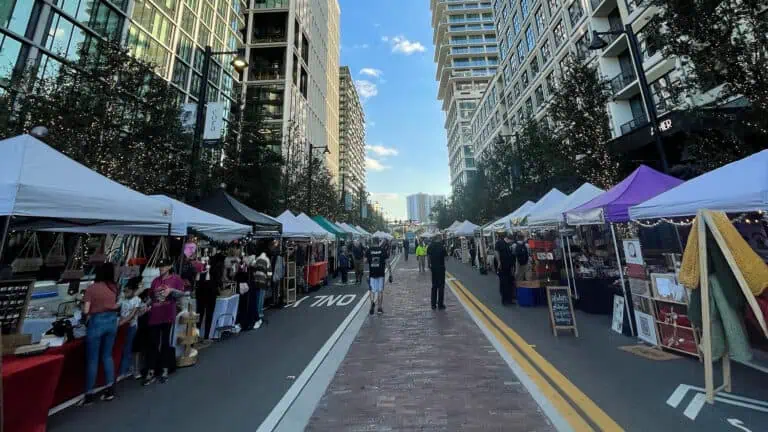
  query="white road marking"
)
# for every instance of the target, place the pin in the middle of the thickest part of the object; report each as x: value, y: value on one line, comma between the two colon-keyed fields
x: 298, y: 302
x: 693, y: 408
x: 346, y: 299
x: 738, y: 424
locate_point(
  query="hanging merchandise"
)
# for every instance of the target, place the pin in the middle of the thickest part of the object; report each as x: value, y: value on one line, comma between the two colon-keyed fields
x: 30, y: 258
x: 74, y: 270
x: 99, y: 256
x: 129, y: 271
x: 56, y: 256
x: 139, y: 257
x: 152, y: 271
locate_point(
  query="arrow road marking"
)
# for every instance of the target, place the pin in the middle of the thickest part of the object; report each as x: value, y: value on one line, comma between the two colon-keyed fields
x: 738, y: 424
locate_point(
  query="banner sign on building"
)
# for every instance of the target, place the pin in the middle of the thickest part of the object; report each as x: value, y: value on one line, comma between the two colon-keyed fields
x: 188, y: 117
x: 214, y: 123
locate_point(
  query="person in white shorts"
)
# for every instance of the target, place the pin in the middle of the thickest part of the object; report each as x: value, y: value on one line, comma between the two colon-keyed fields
x: 377, y: 265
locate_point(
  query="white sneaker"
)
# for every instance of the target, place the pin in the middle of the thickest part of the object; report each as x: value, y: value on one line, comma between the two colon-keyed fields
x: 258, y: 324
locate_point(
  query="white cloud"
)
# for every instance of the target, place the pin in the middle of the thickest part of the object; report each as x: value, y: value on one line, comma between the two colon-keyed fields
x: 400, y: 44
x: 370, y: 124
x: 384, y: 196
x: 382, y: 151
x: 366, y: 89
x: 375, y: 165
x: 376, y: 73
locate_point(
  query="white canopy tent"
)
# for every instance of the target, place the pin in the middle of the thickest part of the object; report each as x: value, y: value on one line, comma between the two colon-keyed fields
x: 549, y: 201
x: 293, y: 227
x: 466, y: 229
x: 504, y: 224
x: 381, y: 234
x: 738, y: 187
x: 318, y: 231
x: 43, y: 189
x: 186, y: 218
x: 362, y: 231
x: 349, y: 229
x: 453, y: 226
x: 553, y: 216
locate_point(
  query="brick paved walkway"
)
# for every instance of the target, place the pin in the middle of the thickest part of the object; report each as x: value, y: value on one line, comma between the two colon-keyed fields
x: 418, y: 369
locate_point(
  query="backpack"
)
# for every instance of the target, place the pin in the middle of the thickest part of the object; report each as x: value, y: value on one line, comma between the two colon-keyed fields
x: 260, y: 270
x: 521, y: 253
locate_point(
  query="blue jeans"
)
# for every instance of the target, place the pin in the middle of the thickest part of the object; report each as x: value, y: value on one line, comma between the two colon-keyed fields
x: 127, y: 358
x: 260, y: 301
x: 99, y: 340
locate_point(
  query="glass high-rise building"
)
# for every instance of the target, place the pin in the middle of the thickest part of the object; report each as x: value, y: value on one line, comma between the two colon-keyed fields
x: 44, y: 34
x: 466, y: 56
x: 419, y: 206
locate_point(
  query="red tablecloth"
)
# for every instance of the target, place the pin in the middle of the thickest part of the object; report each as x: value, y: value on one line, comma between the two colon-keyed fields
x: 29, y: 384
x: 315, y: 273
x: 72, y: 381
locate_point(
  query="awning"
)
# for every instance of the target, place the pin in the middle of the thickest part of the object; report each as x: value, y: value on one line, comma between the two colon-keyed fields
x: 330, y: 227
x: 222, y: 204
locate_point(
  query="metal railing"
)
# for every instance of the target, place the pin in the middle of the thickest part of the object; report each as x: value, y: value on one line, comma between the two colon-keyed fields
x: 622, y: 80
x: 633, y: 124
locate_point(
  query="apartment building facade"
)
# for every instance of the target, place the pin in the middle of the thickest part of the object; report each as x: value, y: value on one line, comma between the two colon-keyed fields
x: 466, y: 55
x: 172, y: 34
x: 292, y: 51
x: 535, y: 37
x: 419, y: 206
x: 351, y: 136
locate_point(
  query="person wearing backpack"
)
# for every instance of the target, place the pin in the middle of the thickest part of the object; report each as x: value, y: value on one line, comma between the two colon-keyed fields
x: 261, y: 276
x: 521, y: 258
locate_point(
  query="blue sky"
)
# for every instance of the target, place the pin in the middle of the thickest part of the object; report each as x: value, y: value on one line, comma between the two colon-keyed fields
x: 387, y: 45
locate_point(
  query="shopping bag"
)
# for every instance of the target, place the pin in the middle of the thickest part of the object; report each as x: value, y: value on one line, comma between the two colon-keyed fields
x: 30, y: 259
x: 244, y: 287
x: 56, y: 256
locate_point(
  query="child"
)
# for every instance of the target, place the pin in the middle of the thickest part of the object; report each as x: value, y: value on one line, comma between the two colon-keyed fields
x: 130, y: 309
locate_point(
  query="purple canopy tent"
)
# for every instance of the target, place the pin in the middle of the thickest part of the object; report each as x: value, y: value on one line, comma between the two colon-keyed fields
x: 613, y: 207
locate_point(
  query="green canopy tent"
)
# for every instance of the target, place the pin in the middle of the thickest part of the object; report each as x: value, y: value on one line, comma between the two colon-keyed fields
x: 331, y: 228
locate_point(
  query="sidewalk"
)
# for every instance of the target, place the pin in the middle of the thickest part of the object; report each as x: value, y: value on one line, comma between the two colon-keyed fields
x: 418, y: 369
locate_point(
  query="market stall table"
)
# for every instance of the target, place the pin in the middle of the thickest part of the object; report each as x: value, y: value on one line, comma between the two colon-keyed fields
x: 315, y: 273
x: 596, y: 295
x: 29, y: 385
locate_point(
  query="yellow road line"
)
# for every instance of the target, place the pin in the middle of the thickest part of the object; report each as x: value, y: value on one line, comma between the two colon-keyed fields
x: 594, y: 412
x: 570, y: 415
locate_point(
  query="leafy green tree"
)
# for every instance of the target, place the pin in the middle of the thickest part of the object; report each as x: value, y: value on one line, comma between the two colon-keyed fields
x: 442, y: 214
x: 110, y: 112
x: 578, y: 110
x: 721, y: 45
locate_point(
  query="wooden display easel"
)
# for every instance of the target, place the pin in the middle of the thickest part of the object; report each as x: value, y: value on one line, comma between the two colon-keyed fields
x: 706, y: 221
x: 289, y: 281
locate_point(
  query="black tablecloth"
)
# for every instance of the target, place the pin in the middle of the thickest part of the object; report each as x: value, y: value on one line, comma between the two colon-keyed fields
x: 596, y: 295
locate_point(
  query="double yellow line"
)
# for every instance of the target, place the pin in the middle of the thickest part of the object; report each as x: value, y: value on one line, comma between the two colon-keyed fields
x: 578, y: 410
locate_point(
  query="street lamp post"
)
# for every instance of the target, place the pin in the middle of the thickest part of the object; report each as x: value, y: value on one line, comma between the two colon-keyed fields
x: 650, y: 107
x: 239, y: 63
x: 309, y: 173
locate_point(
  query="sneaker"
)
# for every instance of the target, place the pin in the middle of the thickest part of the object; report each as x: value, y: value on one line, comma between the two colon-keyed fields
x: 149, y: 380
x: 381, y: 311
x: 258, y: 324
x: 434, y: 307
x: 88, y: 400
x: 164, y: 377
x: 109, y: 394
x: 137, y: 376
x: 441, y: 307
x: 373, y: 305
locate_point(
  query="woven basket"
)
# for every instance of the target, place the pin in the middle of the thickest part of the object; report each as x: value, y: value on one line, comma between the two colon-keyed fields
x: 30, y: 259
x: 56, y: 256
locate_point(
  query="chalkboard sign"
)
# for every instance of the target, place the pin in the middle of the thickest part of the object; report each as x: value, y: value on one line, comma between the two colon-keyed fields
x: 561, y: 314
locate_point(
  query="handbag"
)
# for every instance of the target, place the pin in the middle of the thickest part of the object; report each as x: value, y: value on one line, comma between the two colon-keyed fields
x: 56, y: 256
x: 30, y: 259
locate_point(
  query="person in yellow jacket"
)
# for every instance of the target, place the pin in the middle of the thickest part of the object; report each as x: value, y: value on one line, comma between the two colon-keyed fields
x: 421, y: 256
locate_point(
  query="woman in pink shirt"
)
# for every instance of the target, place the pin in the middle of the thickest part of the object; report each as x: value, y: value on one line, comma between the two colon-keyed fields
x: 162, y: 315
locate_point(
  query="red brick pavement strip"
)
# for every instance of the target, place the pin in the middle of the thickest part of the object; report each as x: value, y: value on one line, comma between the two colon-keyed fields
x: 418, y: 369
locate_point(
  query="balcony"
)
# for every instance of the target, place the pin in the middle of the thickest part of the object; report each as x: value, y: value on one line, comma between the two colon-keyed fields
x: 633, y: 124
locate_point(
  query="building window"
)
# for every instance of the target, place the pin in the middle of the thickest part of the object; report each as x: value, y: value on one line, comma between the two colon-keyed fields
x: 559, y: 33
x: 582, y: 47
x: 534, y: 66
x: 521, y: 51
x: 539, y: 95
x: 516, y: 23
x: 575, y: 11
x: 541, y: 20
x: 553, y: 6
x: 546, y: 52
x: 524, y: 79
x: 524, y: 7
x: 551, y: 84
x: 517, y: 90
x: 529, y: 107
x: 503, y: 48
x: 507, y: 75
x: 15, y: 16
x: 530, y: 38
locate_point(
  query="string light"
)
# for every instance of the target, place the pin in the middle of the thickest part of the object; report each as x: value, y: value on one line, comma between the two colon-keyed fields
x: 743, y: 218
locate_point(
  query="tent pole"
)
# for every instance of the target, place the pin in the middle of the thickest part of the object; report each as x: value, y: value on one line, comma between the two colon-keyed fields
x: 565, y: 262
x: 623, y: 284
x: 4, y: 235
x: 573, y: 269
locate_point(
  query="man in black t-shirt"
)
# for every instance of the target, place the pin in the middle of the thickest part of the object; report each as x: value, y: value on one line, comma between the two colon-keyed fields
x: 506, y: 267
x: 377, y: 267
x: 436, y: 254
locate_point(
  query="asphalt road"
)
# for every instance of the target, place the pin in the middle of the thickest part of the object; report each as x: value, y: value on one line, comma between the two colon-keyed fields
x: 236, y: 382
x: 630, y: 389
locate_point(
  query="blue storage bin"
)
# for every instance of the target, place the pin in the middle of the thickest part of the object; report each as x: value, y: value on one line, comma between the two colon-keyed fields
x: 528, y: 297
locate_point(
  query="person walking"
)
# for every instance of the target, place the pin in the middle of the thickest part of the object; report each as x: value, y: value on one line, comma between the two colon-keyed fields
x: 358, y: 254
x: 506, y: 266
x: 100, y: 309
x: 421, y: 256
x: 437, y: 254
x: 472, y: 252
x: 406, y: 248
x: 377, y: 265
x: 343, y: 263
x: 521, y: 258
x: 164, y: 291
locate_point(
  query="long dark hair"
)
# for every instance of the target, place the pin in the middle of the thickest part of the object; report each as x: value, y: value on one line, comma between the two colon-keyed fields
x: 106, y: 273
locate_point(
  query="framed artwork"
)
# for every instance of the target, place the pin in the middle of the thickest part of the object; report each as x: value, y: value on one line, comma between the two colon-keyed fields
x: 646, y: 328
x: 642, y: 304
x: 665, y: 287
x: 633, y: 254
x: 618, y: 314
x: 640, y: 287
